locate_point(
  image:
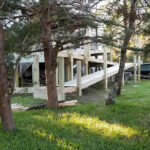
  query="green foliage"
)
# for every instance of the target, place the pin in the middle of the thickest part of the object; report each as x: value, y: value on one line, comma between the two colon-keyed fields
x: 8, y: 6
x: 146, y: 29
x: 123, y: 126
x: 146, y: 50
x: 146, y: 32
x: 21, y: 37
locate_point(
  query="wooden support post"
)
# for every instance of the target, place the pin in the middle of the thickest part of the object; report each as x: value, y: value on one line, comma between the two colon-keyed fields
x: 36, y: 72
x: 79, y: 78
x: 105, y: 69
x: 135, y: 69
x: 86, y: 66
x: 70, y: 66
x: 139, y: 67
x: 17, y: 79
x: 61, y: 91
x: 86, y: 63
x: 68, y: 71
x: 111, y: 59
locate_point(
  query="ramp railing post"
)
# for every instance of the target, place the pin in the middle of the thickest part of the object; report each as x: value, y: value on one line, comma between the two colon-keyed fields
x: 61, y: 89
x: 71, y: 66
x: 135, y: 68
x: 139, y: 67
x: 17, y: 79
x: 36, y: 72
x: 79, y: 70
x: 105, y: 69
x: 111, y: 59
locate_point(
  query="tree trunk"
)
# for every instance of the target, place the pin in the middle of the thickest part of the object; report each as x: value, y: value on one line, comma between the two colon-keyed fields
x: 5, y: 105
x: 118, y: 79
x: 50, y: 56
x: 129, y: 20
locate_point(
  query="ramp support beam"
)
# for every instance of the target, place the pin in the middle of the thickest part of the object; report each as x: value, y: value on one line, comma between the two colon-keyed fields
x: 135, y: 69
x: 139, y: 67
x: 61, y: 90
x: 79, y: 70
x: 17, y: 79
x: 105, y: 69
x: 36, y: 72
x: 71, y: 66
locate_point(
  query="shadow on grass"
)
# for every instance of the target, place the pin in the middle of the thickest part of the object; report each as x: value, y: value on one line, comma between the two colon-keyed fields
x: 123, y: 113
x: 67, y: 129
x: 123, y: 126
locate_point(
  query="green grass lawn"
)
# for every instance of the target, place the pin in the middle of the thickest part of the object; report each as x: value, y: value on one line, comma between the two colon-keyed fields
x: 122, y: 126
x: 25, y: 100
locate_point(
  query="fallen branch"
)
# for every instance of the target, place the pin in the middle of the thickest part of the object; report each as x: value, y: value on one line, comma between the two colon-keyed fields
x: 43, y: 105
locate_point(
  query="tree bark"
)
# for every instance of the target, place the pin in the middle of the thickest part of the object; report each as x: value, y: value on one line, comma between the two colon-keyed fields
x: 50, y: 56
x: 118, y: 79
x: 5, y: 105
x: 129, y: 20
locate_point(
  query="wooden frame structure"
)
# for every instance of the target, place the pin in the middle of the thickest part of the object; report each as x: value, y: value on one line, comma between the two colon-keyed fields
x: 83, y: 78
x: 84, y: 61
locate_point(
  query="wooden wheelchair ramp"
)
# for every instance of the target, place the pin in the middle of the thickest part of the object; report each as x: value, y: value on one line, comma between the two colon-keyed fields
x: 95, y: 77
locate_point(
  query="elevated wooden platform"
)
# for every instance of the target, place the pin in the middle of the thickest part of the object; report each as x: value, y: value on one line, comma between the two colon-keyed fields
x: 72, y: 62
x: 71, y: 86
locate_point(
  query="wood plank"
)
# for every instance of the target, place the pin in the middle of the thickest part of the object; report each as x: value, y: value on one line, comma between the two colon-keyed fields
x: 98, y: 52
x: 44, y: 104
x: 79, y: 84
x: 68, y: 103
x: 17, y: 79
x: 61, y: 92
x: 21, y: 90
x: 63, y: 54
x: 105, y: 70
x: 71, y: 62
x: 100, y: 61
x: 139, y: 67
x: 70, y: 89
x: 135, y: 69
x: 36, y: 72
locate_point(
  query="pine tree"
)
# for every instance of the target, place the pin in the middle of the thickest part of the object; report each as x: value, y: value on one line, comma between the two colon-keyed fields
x: 62, y: 23
x: 5, y: 104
